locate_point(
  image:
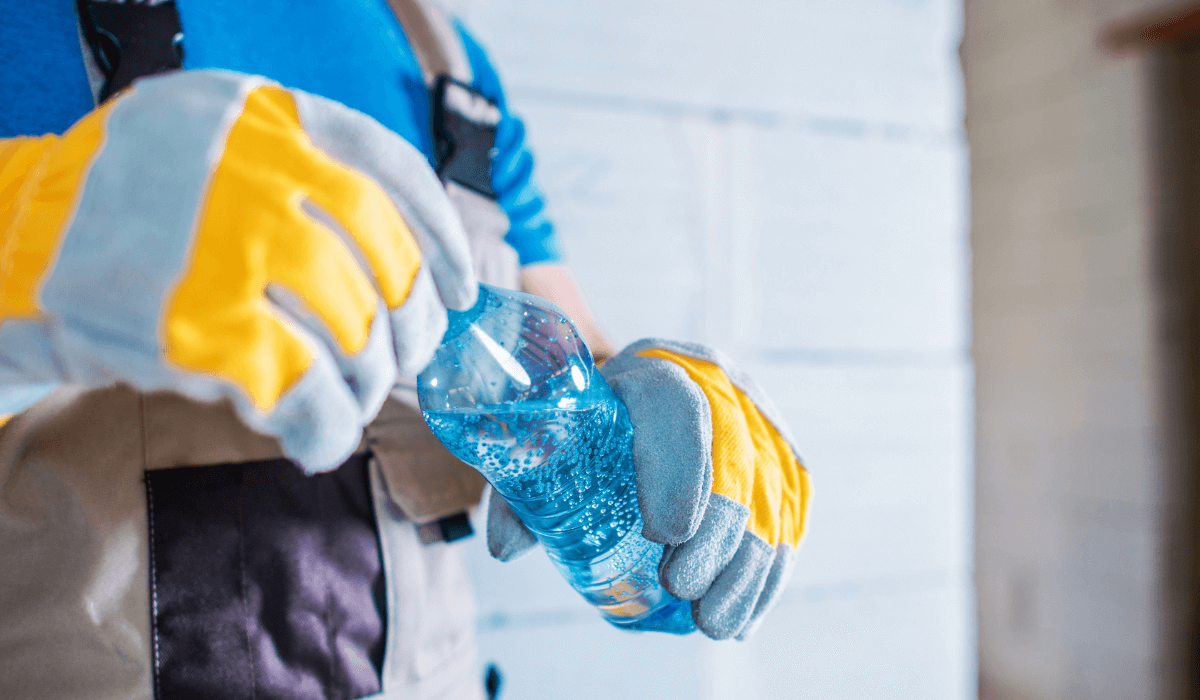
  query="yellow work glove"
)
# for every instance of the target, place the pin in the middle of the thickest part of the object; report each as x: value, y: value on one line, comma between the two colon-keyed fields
x: 215, y: 234
x: 718, y: 482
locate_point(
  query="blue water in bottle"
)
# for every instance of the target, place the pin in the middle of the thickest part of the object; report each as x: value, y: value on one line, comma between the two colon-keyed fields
x: 513, y: 392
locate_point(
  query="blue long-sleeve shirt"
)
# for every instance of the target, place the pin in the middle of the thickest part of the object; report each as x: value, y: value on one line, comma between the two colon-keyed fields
x: 352, y: 51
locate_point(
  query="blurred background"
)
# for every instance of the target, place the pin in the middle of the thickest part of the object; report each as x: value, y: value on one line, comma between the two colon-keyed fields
x: 988, y: 362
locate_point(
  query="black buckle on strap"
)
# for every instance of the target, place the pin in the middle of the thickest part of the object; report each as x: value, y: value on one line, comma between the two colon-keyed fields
x: 130, y: 40
x: 449, y: 529
x: 464, y: 135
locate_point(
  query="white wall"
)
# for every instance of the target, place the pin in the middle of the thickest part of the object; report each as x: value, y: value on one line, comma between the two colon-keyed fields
x: 784, y: 180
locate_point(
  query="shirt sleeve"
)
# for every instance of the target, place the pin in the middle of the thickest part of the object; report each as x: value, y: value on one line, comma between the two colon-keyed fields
x: 530, y: 232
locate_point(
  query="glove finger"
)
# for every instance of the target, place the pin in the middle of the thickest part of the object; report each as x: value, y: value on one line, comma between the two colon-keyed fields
x: 777, y: 579
x: 507, y: 536
x: 370, y: 373
x: 319, y: 420
x: 364, y: 144
x: 729, y: 604
x: 672, y: 444
x: 418, y: 325
x: 688, y: 570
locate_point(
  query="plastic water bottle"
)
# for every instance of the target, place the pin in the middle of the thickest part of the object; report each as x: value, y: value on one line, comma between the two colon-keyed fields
x: 513, y: 392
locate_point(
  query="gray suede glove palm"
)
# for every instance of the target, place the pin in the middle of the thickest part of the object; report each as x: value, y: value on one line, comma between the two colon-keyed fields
x: 719, y: 483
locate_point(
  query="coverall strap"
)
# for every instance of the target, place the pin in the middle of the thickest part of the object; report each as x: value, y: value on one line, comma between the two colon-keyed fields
x: 437, y: 45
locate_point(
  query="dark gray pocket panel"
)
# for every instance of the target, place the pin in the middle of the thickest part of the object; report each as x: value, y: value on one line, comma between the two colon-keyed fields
x: 265, y: 583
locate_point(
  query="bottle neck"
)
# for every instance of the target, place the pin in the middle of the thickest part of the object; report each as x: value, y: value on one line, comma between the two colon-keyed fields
x: 459, y: 321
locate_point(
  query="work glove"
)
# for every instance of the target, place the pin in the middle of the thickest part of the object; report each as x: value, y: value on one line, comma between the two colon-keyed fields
x: 217, y: 235
x: 718, y: 480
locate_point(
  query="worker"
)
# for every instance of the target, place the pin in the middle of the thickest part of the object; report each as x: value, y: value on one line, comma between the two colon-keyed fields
x: 229, y: 236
